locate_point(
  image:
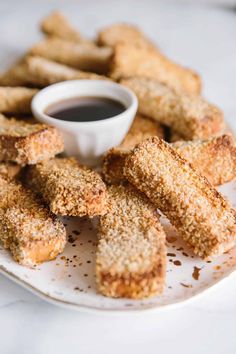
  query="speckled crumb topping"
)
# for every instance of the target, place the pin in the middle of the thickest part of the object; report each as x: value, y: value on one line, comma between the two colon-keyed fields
x: 201, y: 215
x: 131, y: 255
x: 68, y: 187
x: 135, y: 61
x: 220, y: 151
x: 189, y: 115
x: 27, y: 228
x: 28, y: 143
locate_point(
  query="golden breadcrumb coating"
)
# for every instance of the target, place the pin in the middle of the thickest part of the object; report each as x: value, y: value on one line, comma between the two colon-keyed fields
x: 40, y: 72
x: 220, y: 151
x: 16, y: 100
x: 189, y: 115
x: 131, y: 254
x: 27, y: 228
x: 200, y: 214
x: 68, y: 187
x: 56, y: 24
x: 214, y: 158
x: 141, y: 129
x: 80, y: 56
x: 9, y: 170
x: 131, y: 60
x: 123, y: 33
x: 27, y: 143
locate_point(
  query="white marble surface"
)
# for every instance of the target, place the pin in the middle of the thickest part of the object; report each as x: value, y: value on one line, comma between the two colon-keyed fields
x: 198, y: 36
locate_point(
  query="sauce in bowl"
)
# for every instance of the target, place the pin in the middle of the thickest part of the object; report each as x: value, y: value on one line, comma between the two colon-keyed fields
x: 85, y: 109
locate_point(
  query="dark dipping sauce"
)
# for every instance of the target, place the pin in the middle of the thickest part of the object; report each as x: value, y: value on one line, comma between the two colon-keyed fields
x: 85, y: 109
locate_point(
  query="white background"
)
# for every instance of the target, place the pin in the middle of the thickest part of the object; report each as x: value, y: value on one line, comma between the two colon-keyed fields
x: 194, y: 34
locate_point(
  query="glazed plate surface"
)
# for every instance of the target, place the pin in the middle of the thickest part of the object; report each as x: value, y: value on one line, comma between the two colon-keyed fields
x: 69, y: 280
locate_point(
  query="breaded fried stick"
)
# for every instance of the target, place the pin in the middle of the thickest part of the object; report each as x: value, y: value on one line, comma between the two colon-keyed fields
x: 131, y: 254
x: 27, y: 228
x: 27, y: 143
x: 214, y: 159
x: 141, y: 129
x: 201, y: 215
x: 16, y: 100
x: 68, y: 188
x: 41, y: 72
x: 131, y: 60
x: 9, y: 170
x: 80, y: 56
x: 123, y: 33
x: 191, y: 116
x: 57, y: 25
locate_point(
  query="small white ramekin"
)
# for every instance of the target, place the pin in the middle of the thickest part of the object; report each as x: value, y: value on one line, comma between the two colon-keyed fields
x: 87, y: 141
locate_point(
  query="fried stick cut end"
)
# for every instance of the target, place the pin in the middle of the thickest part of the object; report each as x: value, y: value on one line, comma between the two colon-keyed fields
x: 68, y: 187
x: 28, y: 143
x: 131, y: 254
x: 27, y: 228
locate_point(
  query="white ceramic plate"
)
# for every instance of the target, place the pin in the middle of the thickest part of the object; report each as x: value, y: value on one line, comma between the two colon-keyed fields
x: 70, y: 279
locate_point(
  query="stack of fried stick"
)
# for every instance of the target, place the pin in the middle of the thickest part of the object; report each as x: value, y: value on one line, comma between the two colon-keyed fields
x: 175, y: 154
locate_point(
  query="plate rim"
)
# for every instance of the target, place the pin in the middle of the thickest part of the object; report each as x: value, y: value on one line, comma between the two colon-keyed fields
x: 99, y: 310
